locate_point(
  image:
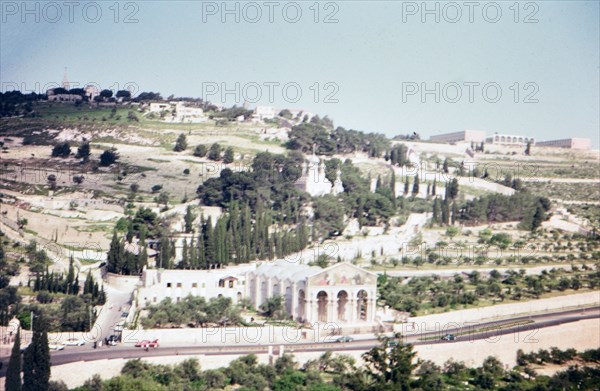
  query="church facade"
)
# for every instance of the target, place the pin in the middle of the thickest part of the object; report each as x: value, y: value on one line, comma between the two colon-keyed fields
x: 341, y: 294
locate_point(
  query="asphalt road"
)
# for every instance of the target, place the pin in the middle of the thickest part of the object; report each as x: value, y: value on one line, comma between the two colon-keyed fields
x: 523, y: 326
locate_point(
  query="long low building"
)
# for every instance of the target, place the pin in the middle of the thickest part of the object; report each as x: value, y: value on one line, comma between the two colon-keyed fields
x: 476, y: 136
x: 571, y: 143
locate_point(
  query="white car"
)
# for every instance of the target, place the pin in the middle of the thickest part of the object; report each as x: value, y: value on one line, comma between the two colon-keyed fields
x: 74, y: 342
x: 56, y: 346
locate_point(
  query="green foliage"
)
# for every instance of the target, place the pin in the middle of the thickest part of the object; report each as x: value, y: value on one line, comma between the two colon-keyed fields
x: 193, y: 310
x: 274, y: 308
x: 318, y: 134
x: 497, y: 208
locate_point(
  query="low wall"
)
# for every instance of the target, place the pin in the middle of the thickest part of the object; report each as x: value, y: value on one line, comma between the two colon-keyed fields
x: 231, y: 335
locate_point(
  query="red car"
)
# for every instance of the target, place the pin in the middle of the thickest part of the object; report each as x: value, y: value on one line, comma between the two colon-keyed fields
x: 147, y: 344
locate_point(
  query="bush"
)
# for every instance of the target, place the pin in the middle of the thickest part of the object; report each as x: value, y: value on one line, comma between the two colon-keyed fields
x: 108, y: 157
x: 61, y: 150
x: 200, y: 151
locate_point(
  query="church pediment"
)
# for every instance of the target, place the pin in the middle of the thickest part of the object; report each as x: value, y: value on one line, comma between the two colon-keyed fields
x: 343, y: 274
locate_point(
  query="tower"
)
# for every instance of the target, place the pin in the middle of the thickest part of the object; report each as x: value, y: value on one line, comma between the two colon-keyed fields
x: 65, y: 82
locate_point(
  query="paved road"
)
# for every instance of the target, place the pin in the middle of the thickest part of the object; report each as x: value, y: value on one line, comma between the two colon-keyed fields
x: 524, y: 325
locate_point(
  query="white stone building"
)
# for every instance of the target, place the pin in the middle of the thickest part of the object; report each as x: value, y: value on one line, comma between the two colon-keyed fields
x: 343, y: 294
x: 158, y: 107
x: 313, y: 180
x: 158, y: 284
x: 264, y: 112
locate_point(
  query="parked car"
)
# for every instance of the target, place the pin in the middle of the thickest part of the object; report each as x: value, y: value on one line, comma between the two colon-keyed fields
x: 392, y: 344
x: 53, y: 346
x: 449, y: 337
x: 147, y: 344
x: 74, y: 342
x: 345, y: 338
x: 112, y: 340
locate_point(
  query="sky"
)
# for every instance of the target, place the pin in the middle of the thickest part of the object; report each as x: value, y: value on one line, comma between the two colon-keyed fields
x: 393, y: 67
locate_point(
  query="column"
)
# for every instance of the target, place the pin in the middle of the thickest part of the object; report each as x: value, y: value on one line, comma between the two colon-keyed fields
x: 331, y: 311
x: 257, y: 291
x: 294, y: 299
x: 351, y: 309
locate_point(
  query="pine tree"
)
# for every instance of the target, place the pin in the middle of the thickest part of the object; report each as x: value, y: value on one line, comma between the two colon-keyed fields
x: 13, y: 372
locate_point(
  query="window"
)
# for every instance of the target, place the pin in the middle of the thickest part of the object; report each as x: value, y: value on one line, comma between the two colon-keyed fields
x: 168, y: 284
x: 154, y: 299
x: 221, y: 283
x: 203, y: 285
x: 231, y: 283
x: 179, y: 285
x: 194, y: 285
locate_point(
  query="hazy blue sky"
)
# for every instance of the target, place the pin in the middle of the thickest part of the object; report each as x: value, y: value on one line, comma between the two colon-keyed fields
x: 372, y: 52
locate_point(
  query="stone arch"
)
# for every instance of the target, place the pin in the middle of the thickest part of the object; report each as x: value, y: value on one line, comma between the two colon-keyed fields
x: 322, y: 303
x: 362, y: 304
x: 342, y: 301
x: 502, y: 139
x: 520, y: 139
x: 301, y: 304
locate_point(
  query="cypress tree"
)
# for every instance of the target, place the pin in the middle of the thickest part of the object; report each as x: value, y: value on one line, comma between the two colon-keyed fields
x: 36, y: 360
x: 393, y: 187
x: 436, y: 211
x: 445, y: 212
x: 70, y: 277
x: 406, y: 185
x: 415, y: 189
x: 454, y: 212
x: 13, y: 372
x: 433, y: 188
x: 209, y: 243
